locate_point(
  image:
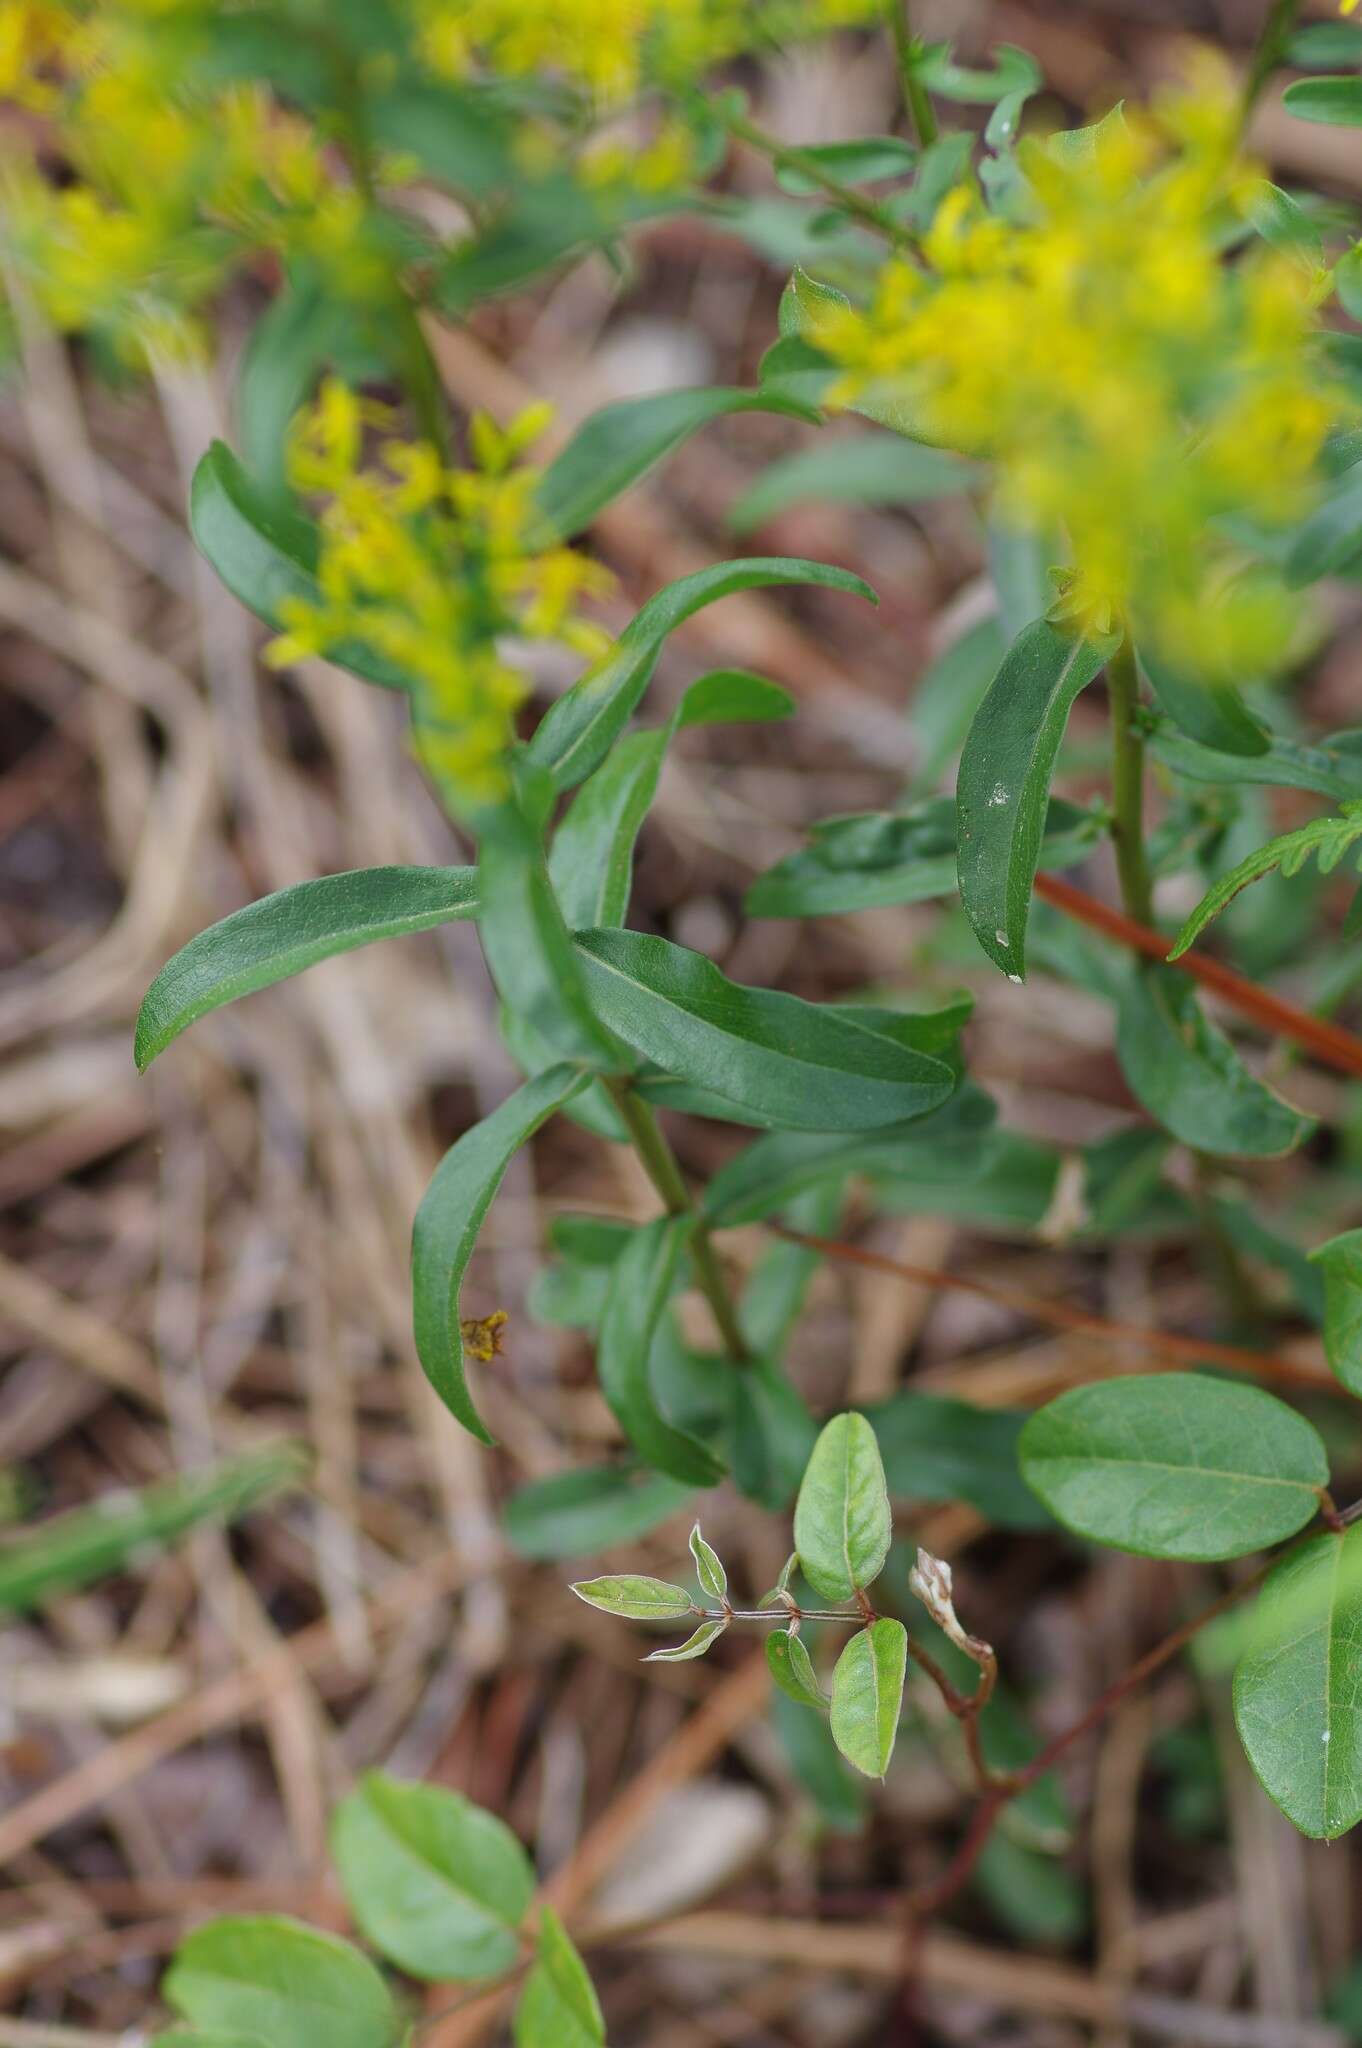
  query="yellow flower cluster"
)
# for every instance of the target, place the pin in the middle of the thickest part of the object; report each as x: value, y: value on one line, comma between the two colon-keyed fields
x: 1134, y: 384
x: 435, y: 569
x: 612, y: 48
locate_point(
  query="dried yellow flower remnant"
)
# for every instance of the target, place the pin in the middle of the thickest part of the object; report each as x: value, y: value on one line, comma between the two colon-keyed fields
x: 482, y: 1335
x: 1133, y: 383
x: 435, y: 568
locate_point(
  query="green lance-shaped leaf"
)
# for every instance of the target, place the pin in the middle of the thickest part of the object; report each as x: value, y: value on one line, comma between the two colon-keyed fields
x: 641, y: 1285
x: 1334, y: 101
x: 304, y: 329
x: 1216, y: 716
x: 842, y: 1523
x: 1190, y: 1078
x: 436, y: 1885
x: 1340, y: 1260
x: 619, y: 444
x: 636, y: 1598
x: 868, y: 469
x: 1332, y: 767
x: 459, y: 136
x: 791, y: 1668
x: 1296, y: 1701
x: 268, y: 1976
x: 771, y: 1436
x: 293, y: 929
x: 449, y: 1219
x: 782, y: 1061
x: 558, y: 2007
x: 264, y: 552
x: 1003, y: 787
x: 708, y: 1566
x: 75, y: 1549
x: 867, y: 1695
x: 864, y: 160
x: 578, y: 731
x: 1328, y: 839
x: 1175, y: 1465
x: 1328, y: 542
x: 589, y: 1509
x: 527, y: 945
x: 704, y: 1639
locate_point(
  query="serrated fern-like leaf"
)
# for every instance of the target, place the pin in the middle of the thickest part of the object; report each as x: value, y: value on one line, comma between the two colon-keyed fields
x: 1328, y: 839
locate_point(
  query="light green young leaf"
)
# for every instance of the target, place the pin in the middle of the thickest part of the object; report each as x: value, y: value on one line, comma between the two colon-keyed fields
x: 1334, y: 101
x: 270, y: 1976
x: 842, y: 1523
x: 1188, y: 1075
x: 616, y: 446
x: 641, y: 1284
x: 705, y: 1636
x: 1175, y: 1465
x: 637, y: 1598
x: 449, y: 1219
x: 186, y: 2037
x: 867, y: 1695
x: 581, y: 1512
x: 791, y: 1668
x: 558, y: 2007
x: 578, y: 731
x: 1341, y: 1262
x: 1328, y: 838
x: 121, y: 1529
x: 782, y: 1061
x: 1003, y: 788
x: 709, y: 1566
x: 1295, y: 1691
x: 284, y: 933
x: 436, y: 1885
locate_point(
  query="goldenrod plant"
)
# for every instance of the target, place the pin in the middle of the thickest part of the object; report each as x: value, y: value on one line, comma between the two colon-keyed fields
x: 1138, y: 360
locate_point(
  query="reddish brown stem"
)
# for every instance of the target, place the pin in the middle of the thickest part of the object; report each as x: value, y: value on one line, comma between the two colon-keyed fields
x: 1178, y: 1350
x: 1328, y: 1042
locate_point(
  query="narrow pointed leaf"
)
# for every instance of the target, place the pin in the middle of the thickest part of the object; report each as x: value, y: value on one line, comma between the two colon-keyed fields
x: 293, y: 929
x: 867, y: 1695
x: 270, y: 1976
x: 704, y: 1638
x: 869, y: 469
x: 1003, y: 787
x: 1175, y: 1465
x: 578, y: 731
x: 1332, y: 767
x: 527, y: 945
x: 1190, y: 1078
x: 591, y: 864
x: 842, y: 1524
x: 641, y: 1285
x: 436, y: 1885
x: 791, y: 1668
x: 636, y: 1597
x: 584, y: 1511
x: 448, y: 1222
x: 1215, y: 715
x: 709, y: 1566
x: 1340, y: 1260
x: 558, y: 2007
x: 1296, y: 1700
x: 782, y: 1061
x: 772, y: 1434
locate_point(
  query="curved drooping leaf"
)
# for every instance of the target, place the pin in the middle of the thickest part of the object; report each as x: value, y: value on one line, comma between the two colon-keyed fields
x: 880, y: 858
x: 1175, y: 1465
x: 264, y: 553
x: 1214, y: 715
x: 436, y: 1885
x: 449, y: 1219
x: 270, y: 1976
x: 527, y: 945
x: 616, y: 446
x: 558, y: 2007
x: 641, y: 1284
x: 709, y: 1567
x: 1332, y: 767
x: 867, y: 1695
x: 578, y: 731
x: 1003, y: 788
x: 1341, y: 1262
x: 867, y: 470
x: 1190, y: 1078
x: 282, y: 934
x: 1327, y: 838
x: 842, y: 1522
x: 791, y: 1668
x: 782, y: 1061
x: 589, y: 1509
x: 1013, y: 70
x: 1296, y: 1702
x: 704, y: 1638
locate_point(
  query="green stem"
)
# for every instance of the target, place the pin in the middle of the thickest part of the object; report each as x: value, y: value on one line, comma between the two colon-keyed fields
x: 907, y: 50
x: 1127, y: 784
x: 660, y: 1165
x: 788, y: 158
x: 1269, y: 51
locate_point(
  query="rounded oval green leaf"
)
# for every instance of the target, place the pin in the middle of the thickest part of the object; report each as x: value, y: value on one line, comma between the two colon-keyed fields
x: 791, y: 1667
x: 636, y: 1597
x: 867, y: 1695
x: 842, y: 1524
x: 1335, y: 101
x: 1175, y: 1465
x: 270, y: 1976
x: 1341, y: 1263
x: 558, y: 2007
x: 437, y: 1885
x: 284, y: 933
x: 1188, y: 1075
